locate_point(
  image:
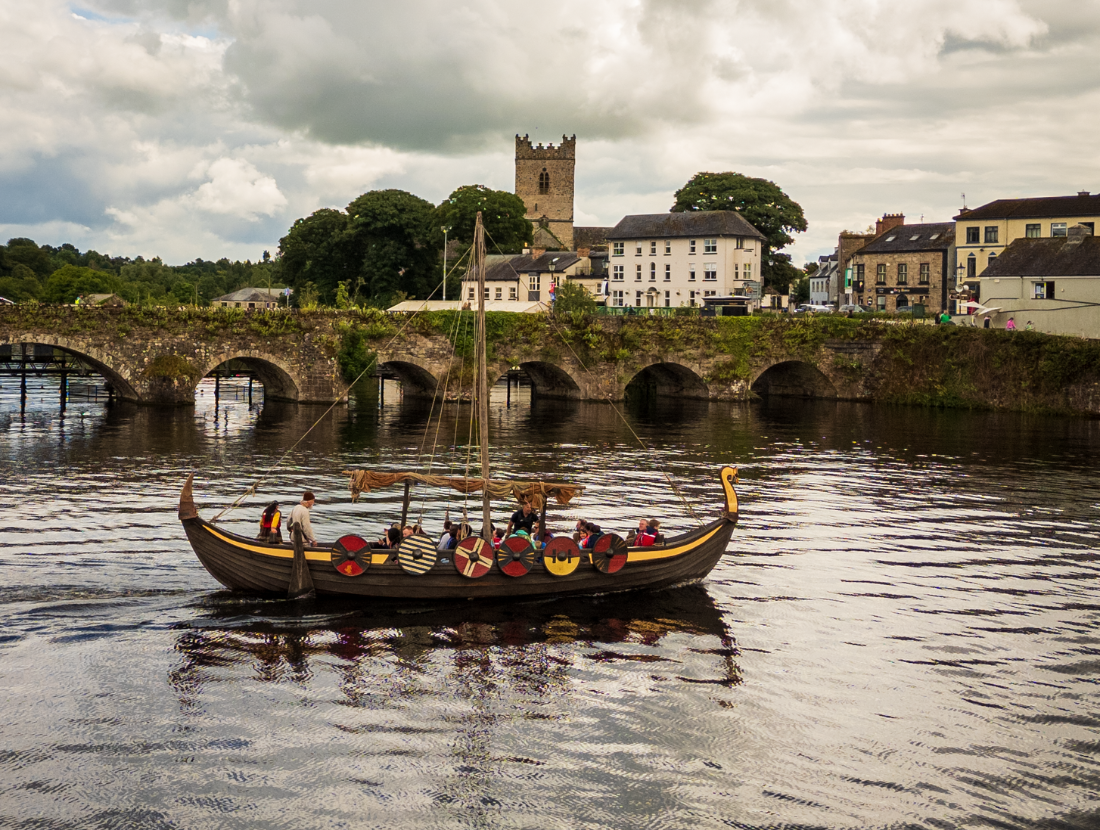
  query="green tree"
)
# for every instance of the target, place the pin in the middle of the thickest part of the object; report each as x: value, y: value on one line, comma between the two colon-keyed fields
x: 502, y: 213
x: 71, y: 281
x: 763, y: 204
x: 316, y: 250
x: 22, y: 251
x: 573, y: 298
x: 395, y: 238
x: 22, y: 285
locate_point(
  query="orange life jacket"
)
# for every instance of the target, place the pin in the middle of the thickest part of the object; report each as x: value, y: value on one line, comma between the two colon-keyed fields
x: 271, y: 519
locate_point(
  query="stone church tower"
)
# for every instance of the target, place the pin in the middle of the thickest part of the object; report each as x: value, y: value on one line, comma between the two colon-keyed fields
x: 544, y: 180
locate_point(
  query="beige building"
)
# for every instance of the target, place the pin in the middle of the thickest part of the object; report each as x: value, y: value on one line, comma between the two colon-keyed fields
x: 1051, y: 282
x: 667, y: 260
x: 251, y: 298
x: 525, y: 279
x: 983, y: 233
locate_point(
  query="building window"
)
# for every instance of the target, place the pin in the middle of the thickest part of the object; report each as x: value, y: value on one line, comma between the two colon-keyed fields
x: 880, y: 302
x: 617, y: 299
x: 534, y: 282
x: 991, y: 235
x: 1033, y: 231
x: 1057, y: 228
x: 500, y: 293
x: 739, y: 243
x: 511, y: 292
x: 544, y: 181
x: 880, y: 274
x: 668, y: 271
x: 903, y: 273
x: 638, y: 272
x: 691, y: 298
x: 653, y: 248
x: 668, y: 247
x: 748, y: 270
x: 637, y: 249
x: 668, y: 299
x: 1043, y: 290
x: 925, y: 273
x: 691, y: 273
x: 971, y: 267
x: 470, y: 296
x: 691, y: 246
x: 486, y: 293
x: 992, y: 259
x: 973, y: 236
x: 859, y: 276
x: 710, y: 246
x: 617, y: 273
x: 653, y: 272
x: 637, y: 299
x: 710, y: 272
x: 617, y: 248
x: 710, y: 293
x: 902, y: 303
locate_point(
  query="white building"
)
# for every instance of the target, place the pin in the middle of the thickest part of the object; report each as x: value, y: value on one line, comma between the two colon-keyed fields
x: 517, y: 281
x: 823, y: 280
x: 677, y: 259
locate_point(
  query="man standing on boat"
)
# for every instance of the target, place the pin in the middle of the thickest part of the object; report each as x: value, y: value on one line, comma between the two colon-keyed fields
x: 300, y: 515
x: 522, y: 519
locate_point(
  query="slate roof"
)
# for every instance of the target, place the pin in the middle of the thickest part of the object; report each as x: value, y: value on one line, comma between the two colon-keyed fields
x: 1087, y: 205
x: 251, y: 295
x: 590, y: 237
x: 508, y: 267
x: 1048, y: 257
x: 910, y: 238
x: 691, y: 223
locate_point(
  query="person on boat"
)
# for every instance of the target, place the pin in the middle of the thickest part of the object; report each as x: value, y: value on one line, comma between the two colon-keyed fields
x: 546, y: 536
x: 498, y: 537
x: 393, y: 537
x: 445, y: 537
x: 452, y: 539
x: 300, y: 516
x: 646, y: 537
x: 271, y: 525
x: 579, y: 531
x: 654, y: 527
x: 594, y: 533
x: 407, y: 531
x: 635, y: 533
x: 522, y: 519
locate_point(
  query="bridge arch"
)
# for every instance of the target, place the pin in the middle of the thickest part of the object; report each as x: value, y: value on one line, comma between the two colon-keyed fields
x: 795, y: 379
x: 98, y: 360
x: 276, y: 376
x: 550, y: 381
x: 668, y: 379
x: 416, y: 380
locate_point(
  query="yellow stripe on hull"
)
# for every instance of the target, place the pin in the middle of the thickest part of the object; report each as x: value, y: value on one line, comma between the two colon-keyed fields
x: 283, y: 553
x: 647, y: 555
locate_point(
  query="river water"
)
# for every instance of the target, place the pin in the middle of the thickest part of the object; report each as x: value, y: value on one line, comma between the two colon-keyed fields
x: 904, y: 633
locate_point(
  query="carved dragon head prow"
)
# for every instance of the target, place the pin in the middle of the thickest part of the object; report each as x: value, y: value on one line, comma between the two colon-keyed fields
x: 729, y: 478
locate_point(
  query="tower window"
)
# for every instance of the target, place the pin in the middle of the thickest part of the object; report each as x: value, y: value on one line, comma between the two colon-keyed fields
x: 544, y: 181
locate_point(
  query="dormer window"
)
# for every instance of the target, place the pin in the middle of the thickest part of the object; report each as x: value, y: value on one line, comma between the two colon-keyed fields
x: 914, y: 237
x: 544, y: 181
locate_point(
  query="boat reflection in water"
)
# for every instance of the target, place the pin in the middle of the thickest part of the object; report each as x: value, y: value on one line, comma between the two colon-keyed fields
x: 525, y: 647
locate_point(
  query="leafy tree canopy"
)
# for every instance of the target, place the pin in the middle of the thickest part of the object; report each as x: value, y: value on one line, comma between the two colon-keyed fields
x: 573, y: 298
x: 71, y: 281
x: 766, y: 207
x: 502, y: 213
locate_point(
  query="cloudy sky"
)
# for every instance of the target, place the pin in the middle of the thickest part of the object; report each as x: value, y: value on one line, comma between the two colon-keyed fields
x: 188, y: 128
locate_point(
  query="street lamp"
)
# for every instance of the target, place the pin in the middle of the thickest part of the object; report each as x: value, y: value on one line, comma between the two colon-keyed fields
x: 445, y: 229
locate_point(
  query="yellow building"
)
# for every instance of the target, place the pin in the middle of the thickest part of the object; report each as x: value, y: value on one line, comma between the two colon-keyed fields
x: 983, y: 233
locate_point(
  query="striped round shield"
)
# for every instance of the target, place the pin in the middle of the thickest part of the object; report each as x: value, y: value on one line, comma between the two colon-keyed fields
x: 561, y: 556
x: 609, y: 553
x: 473, y: 557
x: 351, y: 555
x: 515, y: 556
x: 416, y: 555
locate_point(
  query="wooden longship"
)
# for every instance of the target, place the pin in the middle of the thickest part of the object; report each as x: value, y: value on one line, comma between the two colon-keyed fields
x: 251, y: 566
x: 416, y: 570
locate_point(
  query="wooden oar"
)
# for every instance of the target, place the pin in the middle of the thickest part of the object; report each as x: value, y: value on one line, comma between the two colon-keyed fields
x: 301, y: 583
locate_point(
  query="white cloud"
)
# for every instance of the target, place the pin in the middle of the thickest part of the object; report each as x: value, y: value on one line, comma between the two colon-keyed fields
x: 205, y: 127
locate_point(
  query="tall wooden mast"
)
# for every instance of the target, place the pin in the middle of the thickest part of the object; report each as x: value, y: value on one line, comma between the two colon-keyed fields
x: 482, y: 386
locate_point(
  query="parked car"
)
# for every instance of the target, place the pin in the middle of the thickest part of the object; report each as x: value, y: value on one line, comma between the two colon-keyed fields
x: 852, y: 308
x: 813, y: 307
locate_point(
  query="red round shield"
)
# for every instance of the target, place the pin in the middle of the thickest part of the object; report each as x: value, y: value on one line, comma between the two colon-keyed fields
x: 473, y: 557
x: 609, y: 553
x: 515, y: 556
x: 351, y: 555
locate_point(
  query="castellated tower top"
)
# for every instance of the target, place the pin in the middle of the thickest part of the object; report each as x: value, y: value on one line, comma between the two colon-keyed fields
x: 566, y: 150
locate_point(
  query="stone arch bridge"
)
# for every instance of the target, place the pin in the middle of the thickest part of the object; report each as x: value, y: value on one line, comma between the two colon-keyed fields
x: 158, y: 356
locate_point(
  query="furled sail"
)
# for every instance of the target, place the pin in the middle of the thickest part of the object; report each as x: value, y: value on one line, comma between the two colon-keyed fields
x: 533, y: 492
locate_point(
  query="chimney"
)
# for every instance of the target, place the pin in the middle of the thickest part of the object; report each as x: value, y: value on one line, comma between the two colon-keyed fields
x: 888, y: 221
x: 1076, y: 235
x: 537, y: 252
x: 583, y: 252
